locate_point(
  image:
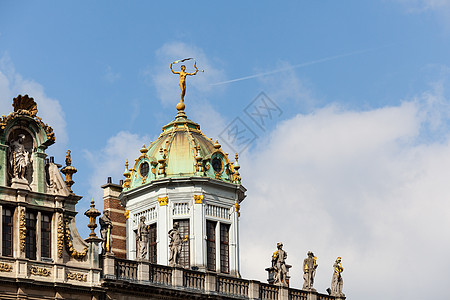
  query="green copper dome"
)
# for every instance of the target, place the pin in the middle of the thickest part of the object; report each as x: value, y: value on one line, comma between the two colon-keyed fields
x: 182, y: 150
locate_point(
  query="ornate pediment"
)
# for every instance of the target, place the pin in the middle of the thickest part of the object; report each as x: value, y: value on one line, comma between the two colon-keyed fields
x: 24, y: 105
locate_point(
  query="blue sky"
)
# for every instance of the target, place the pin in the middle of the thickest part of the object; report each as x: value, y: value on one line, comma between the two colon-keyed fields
x: 357, y: 163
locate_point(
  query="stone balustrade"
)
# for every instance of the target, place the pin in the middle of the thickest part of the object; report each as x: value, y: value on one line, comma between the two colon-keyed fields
x: 143, y: 272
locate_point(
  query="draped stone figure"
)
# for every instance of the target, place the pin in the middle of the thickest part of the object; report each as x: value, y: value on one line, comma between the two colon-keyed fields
x: 19, y: 158
x: 279, y: 265
x: 309, y: 271
x: 105, y: 231
x: 175, y: 245
x: 142, y: 238
x: 337, y: 282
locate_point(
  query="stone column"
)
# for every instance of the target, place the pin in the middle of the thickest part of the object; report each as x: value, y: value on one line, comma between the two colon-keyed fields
x: 163, y: 230
x: 39, y: 169
x: 198, y: 221
x: 234, y: 242
x: 3, y: 162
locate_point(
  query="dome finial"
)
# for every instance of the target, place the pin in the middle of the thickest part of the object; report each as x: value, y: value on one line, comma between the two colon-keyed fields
x: 182, y: 83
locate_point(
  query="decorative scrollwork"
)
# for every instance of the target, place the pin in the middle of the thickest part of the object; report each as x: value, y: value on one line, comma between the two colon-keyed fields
x: 22, y: 230
x: 39, y: 271
x: 60, y: 237
x: 25, y: 106
x: 77, y: 276
x: 4, y: 267
x: 69, y: 245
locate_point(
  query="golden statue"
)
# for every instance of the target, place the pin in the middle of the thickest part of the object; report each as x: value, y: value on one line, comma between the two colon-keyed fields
x: 182, y: 82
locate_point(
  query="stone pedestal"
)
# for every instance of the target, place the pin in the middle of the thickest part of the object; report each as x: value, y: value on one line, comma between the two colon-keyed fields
x: 108, y: 266
x: 17, y: 183
x: 210, y: 282
x: 253, y: 289
x: 177, y: 276
x: 143, y: 271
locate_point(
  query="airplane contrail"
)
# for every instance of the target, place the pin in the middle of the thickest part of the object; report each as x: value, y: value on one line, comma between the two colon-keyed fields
x: 299, y: 65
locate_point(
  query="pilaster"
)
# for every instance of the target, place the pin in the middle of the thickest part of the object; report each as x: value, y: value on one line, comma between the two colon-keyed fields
x: 163, y: 229
x: 198, y: 219
x: 4, y: 163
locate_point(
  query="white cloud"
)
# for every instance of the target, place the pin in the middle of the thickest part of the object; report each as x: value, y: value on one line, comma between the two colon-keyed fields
x: 50, y: 110
x: 110, y: 161
x: 166, y: 83
x: 358, y: 184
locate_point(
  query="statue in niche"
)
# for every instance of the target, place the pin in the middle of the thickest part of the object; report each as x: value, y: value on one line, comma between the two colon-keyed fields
x: 105, y: 231
x: 279, y: 265
x: 175, y: 245
x: 337, y: 282
x: 142, y: 238
x: 19, y: 158
x: 309, y: 271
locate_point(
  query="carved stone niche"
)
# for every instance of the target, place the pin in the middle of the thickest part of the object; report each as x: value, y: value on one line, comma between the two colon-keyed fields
x: 20, y: 157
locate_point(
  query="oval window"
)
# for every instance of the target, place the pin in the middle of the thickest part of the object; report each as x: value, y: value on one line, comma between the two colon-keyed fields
x: 217, y: 164
x: 143, y: 169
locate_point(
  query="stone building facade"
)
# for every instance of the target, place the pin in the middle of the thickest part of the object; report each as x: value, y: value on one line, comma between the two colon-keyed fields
x: 174, y: 221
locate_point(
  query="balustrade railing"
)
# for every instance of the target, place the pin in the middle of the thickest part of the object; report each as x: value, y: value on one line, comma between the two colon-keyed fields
x: 232, y: 286
x: 161, y: 274
x: 125, y: 269
x: 193, y: 280
x: 324, y: 297
x: 226, y: 286
x: 268, y: 291
x: 297, y: 294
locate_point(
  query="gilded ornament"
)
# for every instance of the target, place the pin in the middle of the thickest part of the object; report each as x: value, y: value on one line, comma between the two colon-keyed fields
x: 77, y: 276
x: 237, y: 208
x: 39, y: 271
x: 22, y: 230
x: 60, y: 237
x: 198, y: 199
x: 4, y: 267
x: 69, y: 245
x: 127, y: 214
x: 163, y: 201
x: 24, y: 105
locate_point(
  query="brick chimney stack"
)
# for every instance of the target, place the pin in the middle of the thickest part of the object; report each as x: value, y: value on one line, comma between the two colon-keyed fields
x: 112, y: 204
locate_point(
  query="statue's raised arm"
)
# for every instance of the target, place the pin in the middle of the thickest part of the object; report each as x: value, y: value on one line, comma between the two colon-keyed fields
x: 173, y: 70
x: 196, y: 69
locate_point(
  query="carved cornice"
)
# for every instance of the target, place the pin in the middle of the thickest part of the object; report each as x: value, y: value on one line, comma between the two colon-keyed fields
x: 4, y: 267
x: 69, y: 245
x: 76, y: 276
x: 39, y: 271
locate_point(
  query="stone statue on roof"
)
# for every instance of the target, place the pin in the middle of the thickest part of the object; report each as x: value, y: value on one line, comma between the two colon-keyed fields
x: 279, y: 265
x: 337, y: 282
x: 309, y: 271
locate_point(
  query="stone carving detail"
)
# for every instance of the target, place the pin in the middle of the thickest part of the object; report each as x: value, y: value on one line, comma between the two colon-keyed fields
x: 69, y: 245
x: 163, y: 201
x: 24, y: 105
x: 337, y: 282
x: 279, y: 265
x: 77, y: 276
x: 19, y: 158
x: 22, y: 230
x: 142, y: 238
x: 60, y: 237
x: 175, y: 245
x: 4, y: 267
x: 309, y: 271
x: 105, y: 231
x: 198, y: 199
x: 38, y: 271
